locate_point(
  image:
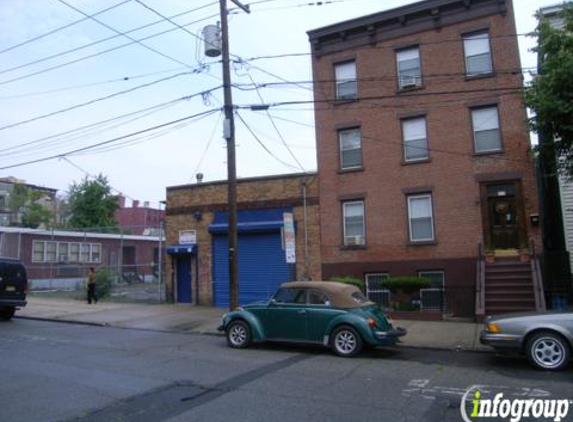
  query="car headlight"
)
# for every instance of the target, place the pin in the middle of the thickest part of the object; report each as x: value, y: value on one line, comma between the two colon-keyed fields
x: 493, y: 328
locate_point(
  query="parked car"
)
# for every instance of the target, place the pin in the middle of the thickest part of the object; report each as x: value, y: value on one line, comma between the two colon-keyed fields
x: 333, y: 314
x: 13, y: 287
x: 545, y: 337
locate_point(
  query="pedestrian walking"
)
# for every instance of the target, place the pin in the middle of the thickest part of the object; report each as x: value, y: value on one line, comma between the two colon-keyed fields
x: 92, y: 286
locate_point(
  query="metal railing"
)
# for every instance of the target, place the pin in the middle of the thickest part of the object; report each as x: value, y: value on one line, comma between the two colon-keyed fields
x: 537, y: 279
x: 480, y: 283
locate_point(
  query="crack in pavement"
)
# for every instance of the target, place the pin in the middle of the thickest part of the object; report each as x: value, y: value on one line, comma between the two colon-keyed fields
x: 179, y: 397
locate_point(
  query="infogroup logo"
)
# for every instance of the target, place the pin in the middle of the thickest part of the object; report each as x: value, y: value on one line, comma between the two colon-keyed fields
x: 475, y: 406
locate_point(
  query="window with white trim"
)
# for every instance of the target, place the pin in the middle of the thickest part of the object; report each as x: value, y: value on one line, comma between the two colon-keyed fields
x: 63, y: 252
x: 409, y: 70
x: 420, y: 218
x: 376, y: 291
x: 353, y: 223
x: 350, y: 148
x: 345, y: 76
x: 415, y: 140
x: 485, y: 123
x: 477, y: 54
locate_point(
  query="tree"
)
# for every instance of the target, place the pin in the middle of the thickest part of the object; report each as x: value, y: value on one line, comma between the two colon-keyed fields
x: 27, y: 209
x: 550, y: 95
x: 91, y: 204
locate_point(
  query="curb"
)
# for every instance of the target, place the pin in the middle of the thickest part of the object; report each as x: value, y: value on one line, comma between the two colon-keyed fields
x: 217, y: 334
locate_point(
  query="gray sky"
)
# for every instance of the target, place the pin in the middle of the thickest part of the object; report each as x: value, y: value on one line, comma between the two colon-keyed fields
x: 49, y: 90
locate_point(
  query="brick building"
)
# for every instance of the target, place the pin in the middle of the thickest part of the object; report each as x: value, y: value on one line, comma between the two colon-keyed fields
x: 142, y: 220
x: 59, y: 259
x: 197, y: 231
x: 424, y: 153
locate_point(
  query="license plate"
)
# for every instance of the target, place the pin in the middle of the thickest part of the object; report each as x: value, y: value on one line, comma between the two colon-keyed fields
x: 10, y: 288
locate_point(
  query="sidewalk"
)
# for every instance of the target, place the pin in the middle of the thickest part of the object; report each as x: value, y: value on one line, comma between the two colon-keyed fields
x: 183, y: 318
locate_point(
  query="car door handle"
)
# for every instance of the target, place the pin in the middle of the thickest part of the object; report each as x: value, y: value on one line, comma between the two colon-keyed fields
x: 301, y: 312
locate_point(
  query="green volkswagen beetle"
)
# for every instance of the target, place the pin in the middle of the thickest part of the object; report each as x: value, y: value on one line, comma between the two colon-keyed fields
x: 333, y: 314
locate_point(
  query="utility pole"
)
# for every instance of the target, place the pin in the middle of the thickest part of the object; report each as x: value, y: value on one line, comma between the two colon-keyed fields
x: 229, y: 133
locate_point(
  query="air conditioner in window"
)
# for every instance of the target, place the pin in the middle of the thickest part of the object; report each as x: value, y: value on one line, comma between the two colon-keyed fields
x: 354, y: 240
x: 409, y: 81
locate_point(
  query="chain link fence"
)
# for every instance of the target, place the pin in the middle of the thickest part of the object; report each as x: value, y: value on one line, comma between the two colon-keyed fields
x: 57, y: 261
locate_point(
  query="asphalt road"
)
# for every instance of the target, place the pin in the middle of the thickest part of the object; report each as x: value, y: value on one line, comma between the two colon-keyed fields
x: 66, y: 372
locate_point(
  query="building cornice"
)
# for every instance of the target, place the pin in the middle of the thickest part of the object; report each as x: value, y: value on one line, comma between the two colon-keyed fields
x: 411, y: 19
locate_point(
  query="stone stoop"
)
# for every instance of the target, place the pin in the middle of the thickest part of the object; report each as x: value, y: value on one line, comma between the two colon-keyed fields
x: 508, y: 286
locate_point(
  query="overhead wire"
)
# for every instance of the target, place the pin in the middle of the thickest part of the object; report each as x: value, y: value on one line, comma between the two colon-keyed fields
x: 110, y: 141
x: 106, y: 97
x: 90, y: 56
x: 61, y: 28
x: 105, y: 25
x: 98, y: 125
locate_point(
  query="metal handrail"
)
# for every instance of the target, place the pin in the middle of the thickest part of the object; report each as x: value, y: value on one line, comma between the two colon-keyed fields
x: 480, y: 283
x: 540, y: 304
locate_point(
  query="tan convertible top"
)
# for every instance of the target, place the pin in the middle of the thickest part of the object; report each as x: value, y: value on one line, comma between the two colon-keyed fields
x: 339, y: 294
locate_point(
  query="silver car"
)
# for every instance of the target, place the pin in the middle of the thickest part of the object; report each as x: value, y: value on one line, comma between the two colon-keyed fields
x: 545, y: 337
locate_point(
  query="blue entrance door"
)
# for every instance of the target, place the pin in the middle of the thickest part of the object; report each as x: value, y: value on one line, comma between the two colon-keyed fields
x: 184, y: 279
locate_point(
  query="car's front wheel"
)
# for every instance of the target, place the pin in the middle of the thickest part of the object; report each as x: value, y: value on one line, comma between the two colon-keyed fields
x: 346, y: 342
x: 238, y: 334
x: 7, y: 313
x: 549, y: 351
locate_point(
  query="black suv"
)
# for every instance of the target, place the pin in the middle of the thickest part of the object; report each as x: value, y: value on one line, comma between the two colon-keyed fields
x: 13, y: 287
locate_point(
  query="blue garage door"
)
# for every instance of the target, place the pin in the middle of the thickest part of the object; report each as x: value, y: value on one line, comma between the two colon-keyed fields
x: 262, y: 267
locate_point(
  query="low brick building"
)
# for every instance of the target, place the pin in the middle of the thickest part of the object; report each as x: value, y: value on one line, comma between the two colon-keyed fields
x: 424, y: 152
x: 197, y: 229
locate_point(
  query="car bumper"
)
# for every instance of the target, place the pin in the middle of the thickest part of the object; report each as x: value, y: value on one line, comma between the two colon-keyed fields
x: 391, y: 336
x: 18, y: 303
x: 500, y: 340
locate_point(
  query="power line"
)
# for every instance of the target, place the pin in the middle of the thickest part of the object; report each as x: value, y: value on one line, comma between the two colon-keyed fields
x: 276, y: 127
x: 125, y: 35
x: 53, y: 31
x: 516, y: 90
x: 115, y: 94
x: 147, y: 110
x: 49, y: 69
x: 261, y: 143
x: 204, y: 153
x: 109, y: 141
x: 91, y: 84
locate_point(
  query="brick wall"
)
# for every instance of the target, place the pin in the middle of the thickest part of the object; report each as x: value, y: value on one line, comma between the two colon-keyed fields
x: 184, y: 202
x: 453, y: 170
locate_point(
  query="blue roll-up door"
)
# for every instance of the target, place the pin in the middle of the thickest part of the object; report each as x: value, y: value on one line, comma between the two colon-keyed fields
x: 262, y: 267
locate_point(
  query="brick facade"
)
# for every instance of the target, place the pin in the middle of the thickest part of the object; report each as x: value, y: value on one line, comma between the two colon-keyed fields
x: 454, y: 174
x: 193, y: 207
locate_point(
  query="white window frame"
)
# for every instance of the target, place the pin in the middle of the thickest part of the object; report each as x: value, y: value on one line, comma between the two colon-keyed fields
x: 354, y: 240
x: 43, y: 252
x: 469, y: 38
x: 345, y: 73
x: 408, y: 54
x: 427, y: 196
x: 406, y: 138
x: 341, y: 133
x: 476, y: 130
x: 63, y: 257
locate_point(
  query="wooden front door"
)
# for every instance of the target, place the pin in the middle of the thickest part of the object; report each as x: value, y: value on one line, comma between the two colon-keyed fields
x: 504, y: 216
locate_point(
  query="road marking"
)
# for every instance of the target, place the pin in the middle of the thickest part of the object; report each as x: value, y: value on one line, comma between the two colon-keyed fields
x: 421, y: 388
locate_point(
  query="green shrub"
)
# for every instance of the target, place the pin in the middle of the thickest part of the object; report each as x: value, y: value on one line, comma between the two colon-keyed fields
x: 406, y: 284
x: 349, y: 280
x: 104, y: 281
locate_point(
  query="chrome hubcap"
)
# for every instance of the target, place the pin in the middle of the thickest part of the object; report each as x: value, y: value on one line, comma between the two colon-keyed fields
x: 345, y: 342
x: 548, y: 352
x: 238, y: 335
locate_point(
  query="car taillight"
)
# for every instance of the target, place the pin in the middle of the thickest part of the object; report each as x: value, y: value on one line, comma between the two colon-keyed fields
x: 371, y: 322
